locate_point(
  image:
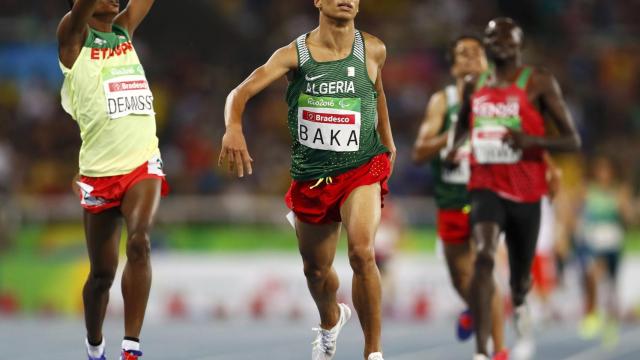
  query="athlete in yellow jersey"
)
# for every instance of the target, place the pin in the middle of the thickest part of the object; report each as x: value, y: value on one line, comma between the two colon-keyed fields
x: 106, y: 92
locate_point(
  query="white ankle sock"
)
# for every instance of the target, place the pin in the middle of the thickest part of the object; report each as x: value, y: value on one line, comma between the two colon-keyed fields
x: 95, y: 351
x: 130, y: 345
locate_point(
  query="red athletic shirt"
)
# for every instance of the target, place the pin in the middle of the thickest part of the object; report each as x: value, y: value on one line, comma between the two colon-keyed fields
x: 514, y: 175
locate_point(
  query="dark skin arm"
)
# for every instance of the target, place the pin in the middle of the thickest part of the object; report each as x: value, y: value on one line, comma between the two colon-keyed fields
x: 73, y: 28
x: 131, y: 17
x: 429, y: 141
x: 72, y: 31
x: 545, y: 91
x: 461, y: 130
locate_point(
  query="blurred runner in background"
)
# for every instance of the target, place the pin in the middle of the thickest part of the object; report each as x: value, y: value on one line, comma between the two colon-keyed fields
x: 506, y: 112
x: 467, y: 57
x: 606, y: 211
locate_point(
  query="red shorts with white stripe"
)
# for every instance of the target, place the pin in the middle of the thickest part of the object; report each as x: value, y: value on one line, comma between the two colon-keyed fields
x: 317, y: 202
x: 454, y: 226
x: 98, y: 194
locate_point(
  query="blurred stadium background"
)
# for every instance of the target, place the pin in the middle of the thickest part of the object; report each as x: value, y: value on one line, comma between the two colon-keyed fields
x: 222, y: 250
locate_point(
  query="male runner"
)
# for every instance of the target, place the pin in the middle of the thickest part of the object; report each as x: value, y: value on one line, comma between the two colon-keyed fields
x: 342, y: 155
x: 467, y: 57
x: 506, y: 117
x: 121, y: 178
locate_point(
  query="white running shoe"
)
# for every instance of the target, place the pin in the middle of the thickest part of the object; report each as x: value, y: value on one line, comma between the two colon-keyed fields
x: 524, y: 348
x: 480, y: 357
x: 375, y: 356
x: 324, y: 346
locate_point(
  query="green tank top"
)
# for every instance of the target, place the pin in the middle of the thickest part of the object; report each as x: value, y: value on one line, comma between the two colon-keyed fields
x: 106, y: 92
x: 601, y: 224
x: 332, y: 114
x: 450, y: 190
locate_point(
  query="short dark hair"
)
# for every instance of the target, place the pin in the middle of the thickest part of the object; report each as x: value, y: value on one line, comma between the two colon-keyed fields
x: 451, y: 50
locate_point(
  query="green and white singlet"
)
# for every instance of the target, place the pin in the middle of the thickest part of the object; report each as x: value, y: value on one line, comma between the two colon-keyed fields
x: 107, y: 94
x: 332, y: 114
x: 451, y: 184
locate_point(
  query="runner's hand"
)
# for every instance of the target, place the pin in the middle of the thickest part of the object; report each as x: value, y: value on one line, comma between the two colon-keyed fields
x: 392, y: 160
x: 451, y: 161
x: 234, y: 151
x: 518, y: 140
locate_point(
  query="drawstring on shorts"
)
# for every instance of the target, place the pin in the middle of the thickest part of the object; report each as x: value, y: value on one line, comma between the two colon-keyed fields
x: 327, y: 180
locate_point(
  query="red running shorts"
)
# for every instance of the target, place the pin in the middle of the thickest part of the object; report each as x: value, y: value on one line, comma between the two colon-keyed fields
x: 454, y: 227
x: 321, y: 204
x: 98, y: 194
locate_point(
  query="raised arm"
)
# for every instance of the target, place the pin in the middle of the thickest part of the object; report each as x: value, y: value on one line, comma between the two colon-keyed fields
x: 429, y: 141
x: 133, y: 14
x: 377, y: 51
x: 72, y: 31
x: 234, y: 147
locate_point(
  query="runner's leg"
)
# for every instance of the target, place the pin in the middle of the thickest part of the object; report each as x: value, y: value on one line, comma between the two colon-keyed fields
x: 460, y: 259
x: 487, y: 218
x: 317, y: 245
x: 521, y: 236
x: 361, y: 216
x: 482, y: 289
x: 139, y: 207
x: 497, y: 319
x: 102, y: 231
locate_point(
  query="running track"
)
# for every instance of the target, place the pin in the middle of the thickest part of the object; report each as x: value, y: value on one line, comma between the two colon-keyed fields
x: 62, y: 339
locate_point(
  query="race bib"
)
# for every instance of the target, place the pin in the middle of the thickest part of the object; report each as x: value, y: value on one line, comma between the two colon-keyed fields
x: 326, y: 123
x: 460, y: 174
x: 489, y: 147
x: 127, y: 91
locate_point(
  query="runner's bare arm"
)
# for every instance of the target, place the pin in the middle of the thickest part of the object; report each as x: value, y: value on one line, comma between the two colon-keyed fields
x: 429, y: 141
x: 234, y: 147
x: 461, y: 130
x: 72, y: 31
x: 554, y: 109
x: 377, y: 51
x: 133, y: 14
x: 625, y: 205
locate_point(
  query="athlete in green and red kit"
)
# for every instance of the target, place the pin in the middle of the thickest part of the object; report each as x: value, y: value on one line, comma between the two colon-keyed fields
x: 106, y: 92
x: 506, y: 113
x: 342, y: 156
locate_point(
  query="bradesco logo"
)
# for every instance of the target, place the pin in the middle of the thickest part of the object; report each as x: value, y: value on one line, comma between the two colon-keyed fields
x: 329, y: 118
x: 129, y: 85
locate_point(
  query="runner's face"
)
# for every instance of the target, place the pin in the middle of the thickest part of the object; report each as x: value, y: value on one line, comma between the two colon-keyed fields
x: 469, y: 58
x: 339, y: 9
x: 503, y: 39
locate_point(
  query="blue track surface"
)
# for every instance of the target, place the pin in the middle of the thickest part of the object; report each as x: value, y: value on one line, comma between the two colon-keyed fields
x: 247, y: 340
